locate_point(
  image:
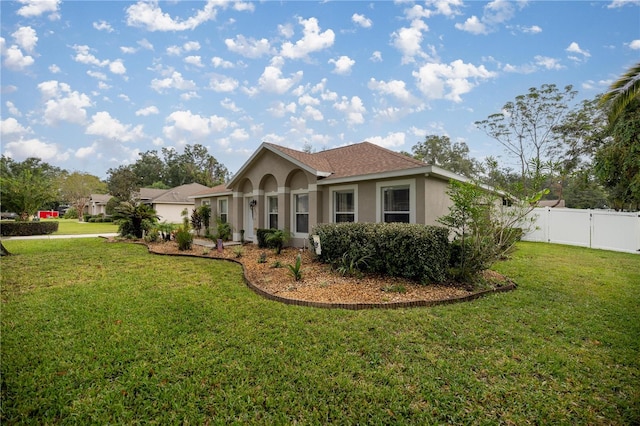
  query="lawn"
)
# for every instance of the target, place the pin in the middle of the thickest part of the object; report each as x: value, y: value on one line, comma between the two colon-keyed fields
x: 107, y: 333
x: 73, y: 227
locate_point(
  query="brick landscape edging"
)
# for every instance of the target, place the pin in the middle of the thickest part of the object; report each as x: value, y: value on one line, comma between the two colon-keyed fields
x: 349, y: 306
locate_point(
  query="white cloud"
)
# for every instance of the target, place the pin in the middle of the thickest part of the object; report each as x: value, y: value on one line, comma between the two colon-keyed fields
x: 103, y: 125
x: 575, y: 48
x: 272, y: 81
x: 361, y: 20
x: 11, y: 126
x: 26, y: 38
x: 63, y: 104
x: 191, y: 46
x: 97, y: 75
x: 221, y: 83
x: 189, y: 95
x: 84, y: 56
x: 442, y: 81
x: 14, y: 59
x: 25, y: 148
x: 103, y: 26
x: 176, y: 81
x: 128, y: 50
x: 635, y: 44
x: 249, y: 48
x: 54, y: 69
x: 13, y: 110
x: 621, y: 3
x: 342, y: 65
x: 312, y: 40
x: 185, y: 125
x: 473, y: 25
x: 548, y: 63
x: 228, y: 104
x: 87, y: 151
x: 174, y: 50
x: 117, y: 67
x: 33, y: 8
x: 392, y: 140
x: 494, y: 14
x: 280, y: 109
x: 149, y: 16
x: 352, y: 108
x: 376, y: 56
x: 194, y: 60
x: 534, y: 29
x: 312, y: 113
x: 150, y: 110
x: 239, y: 135
x: 448, y: 8
x: 408, y: 40
x: 221, y: 63
x: 286, y: 30
x: 395, y: 88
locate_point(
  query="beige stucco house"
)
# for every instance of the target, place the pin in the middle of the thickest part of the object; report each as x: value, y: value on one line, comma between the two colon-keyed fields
x: 169, y: 203
x: 284, y: 188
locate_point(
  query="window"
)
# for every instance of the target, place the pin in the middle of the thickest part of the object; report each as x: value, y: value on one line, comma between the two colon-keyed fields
x: 301, y: 210
x: 223, y: 210
x: 396, y: 205
x: 272, y: 212
x: 344, y: 206
x: 206, y: 202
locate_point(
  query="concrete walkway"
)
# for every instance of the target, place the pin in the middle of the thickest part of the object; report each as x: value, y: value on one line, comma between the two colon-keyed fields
x: 59, y: 237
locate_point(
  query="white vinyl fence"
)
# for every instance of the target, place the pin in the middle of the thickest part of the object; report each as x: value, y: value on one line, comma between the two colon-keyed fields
x: 602, y: 229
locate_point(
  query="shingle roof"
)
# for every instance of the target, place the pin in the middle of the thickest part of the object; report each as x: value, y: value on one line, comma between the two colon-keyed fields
x: 354, y: 160
x: 218, y: 189
x: 180, y: 194
x: 100, y: 198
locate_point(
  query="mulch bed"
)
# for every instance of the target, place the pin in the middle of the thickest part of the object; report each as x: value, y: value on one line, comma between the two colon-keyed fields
x: 322, y: 287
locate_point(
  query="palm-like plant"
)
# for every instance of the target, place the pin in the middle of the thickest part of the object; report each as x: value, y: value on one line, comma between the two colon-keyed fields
x: 622, y: 92
x: 133, y: 219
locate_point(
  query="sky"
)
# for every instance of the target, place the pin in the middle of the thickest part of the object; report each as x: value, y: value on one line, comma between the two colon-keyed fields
x: 88, y: 85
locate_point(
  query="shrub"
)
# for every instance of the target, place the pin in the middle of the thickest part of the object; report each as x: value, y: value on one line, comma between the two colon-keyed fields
x: 224, y: 230
x: 417, y: 252
x: 277, y: 239
x: 22, y: 229
x: 71, y: 213
x: 152, y: 236
x: 184, y: 238
x: 295, y: 270
x: 135, y: 219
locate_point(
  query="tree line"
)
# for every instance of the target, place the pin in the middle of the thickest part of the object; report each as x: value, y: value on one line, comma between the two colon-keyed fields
x: 33, y: 185
x: 588, y: 155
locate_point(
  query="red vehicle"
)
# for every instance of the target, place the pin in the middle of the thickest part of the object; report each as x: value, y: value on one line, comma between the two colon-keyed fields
x: 47, y: 214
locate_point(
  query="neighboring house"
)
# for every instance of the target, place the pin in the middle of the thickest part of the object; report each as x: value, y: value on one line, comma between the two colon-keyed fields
x: 169, y: 203
x: 559, y: 204
x: 283, y: 188
x: 98, y: 204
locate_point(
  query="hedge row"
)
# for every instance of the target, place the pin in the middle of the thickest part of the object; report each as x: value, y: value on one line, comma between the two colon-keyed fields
x: 22, y: 229
x: 417, y: 252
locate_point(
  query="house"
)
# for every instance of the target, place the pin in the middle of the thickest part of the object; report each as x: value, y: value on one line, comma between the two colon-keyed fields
x: 282, y: 188
x: 169, y: 203
x: 97, y: 204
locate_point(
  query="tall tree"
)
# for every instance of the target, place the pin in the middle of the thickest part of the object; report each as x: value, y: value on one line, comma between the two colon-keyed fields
x: 28, y: 186
x: 195, y: 164
x: 622, y: 92
x: 149, y: 169
x: 525, y: 128
x: 439, y: 151
x: 122, y: 183
x: 617, y: 163
x: 77, y: 188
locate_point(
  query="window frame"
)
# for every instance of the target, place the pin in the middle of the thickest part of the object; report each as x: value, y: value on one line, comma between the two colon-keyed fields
x: 381, y: 186
x: 268, y: 212
x: 219, y: 211
x: 295, y: 213
x: 333, y: 191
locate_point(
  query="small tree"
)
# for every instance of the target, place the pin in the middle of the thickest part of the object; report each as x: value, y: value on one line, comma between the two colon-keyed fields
x: 196, y: 220
x: 484, y: 230
x: 134, y: 219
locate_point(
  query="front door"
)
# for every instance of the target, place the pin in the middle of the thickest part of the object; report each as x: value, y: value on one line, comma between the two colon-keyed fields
x: 250, y: 212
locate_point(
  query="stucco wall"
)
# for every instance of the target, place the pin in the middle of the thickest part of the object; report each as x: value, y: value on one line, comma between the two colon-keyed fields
x: 172, y: 213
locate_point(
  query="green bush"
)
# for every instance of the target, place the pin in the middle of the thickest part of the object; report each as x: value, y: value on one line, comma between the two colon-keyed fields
x: 22, y: 229
x: 417, y: 252
x: 184, y: 238
x: 261, y: 235
x: 224, y: 230
x: 71, y: 213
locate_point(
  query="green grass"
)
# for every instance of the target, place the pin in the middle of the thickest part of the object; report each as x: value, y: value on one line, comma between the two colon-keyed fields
x: 73, y: 227
x: 102, y: 333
